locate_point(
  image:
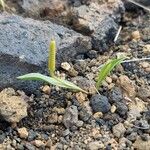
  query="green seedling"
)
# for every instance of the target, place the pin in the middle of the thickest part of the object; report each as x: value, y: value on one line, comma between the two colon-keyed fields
x: 106, y: 69
x: 2, y: 3
x: 52, y: 58
x: 51, y: 67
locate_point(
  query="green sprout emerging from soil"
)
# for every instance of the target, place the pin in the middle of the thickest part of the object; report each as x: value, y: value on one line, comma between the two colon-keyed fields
x: 104, y: 71
x: 2, y: 4
x: 51, y: 67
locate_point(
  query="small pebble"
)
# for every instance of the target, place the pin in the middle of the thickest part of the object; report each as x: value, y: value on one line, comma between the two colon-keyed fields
x: 59, y: 111
x: 98, y: 115
x: 39, y: 143
x: 81, y: 97
x: 145, y: 65
x: 23, y: 133
x: 46, y: 89
x: 113, y: 108
x: 66, y: 66
x: 53, y: 118
x: 119, y: 130
x: 136, y: 35
x: 109, y: 80
x: 146, y: 49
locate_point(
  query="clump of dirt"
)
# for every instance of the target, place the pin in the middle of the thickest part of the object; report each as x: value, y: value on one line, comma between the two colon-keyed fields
x: 60, y: 119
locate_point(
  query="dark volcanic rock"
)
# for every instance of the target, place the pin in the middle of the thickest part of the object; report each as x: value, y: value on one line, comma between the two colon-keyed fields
x: 115, y: 95
x: 99, y: 20
x: 24, y: 47
x: 38, y: 7
x: 99, y: 103
x: 122, y: 108
x: 91, y: 17
x: 130, y: 6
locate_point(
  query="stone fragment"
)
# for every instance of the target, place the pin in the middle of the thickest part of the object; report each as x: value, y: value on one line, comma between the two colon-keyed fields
x: 141, y: 145
x: 70, y: 118
x: 146, y: 49
x: 51, y: 8
x: 136, y: 35
x: 119, y: 130
x: 122, y: 108
x: 46, y: 89
x: 95, y: 145
x: 12, y: 107
x: 115, y: 95
x: 23, y: 133
x: 98, y: 115
x: 38, y: 143
x: 99, y: 20
x: 136, y: 107
x: 127, y: 85
x: 113, y: 109
x: 99, y: 103
x: 81, y: 97
x: 66, y: 66
x: 145, y: 64
x: 52, y: 118
x: 144, y: 93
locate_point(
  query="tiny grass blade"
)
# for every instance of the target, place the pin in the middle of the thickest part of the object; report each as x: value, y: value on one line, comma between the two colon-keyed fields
x: 54, y: 81
x: 2, y: 3
x: 40, y: 77
x: 106, y: 69
x: 70, y: 85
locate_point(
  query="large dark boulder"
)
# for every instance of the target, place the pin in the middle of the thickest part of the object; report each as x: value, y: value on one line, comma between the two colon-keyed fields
x: 100, y: 21
x: 95, y: 18
x: 24, y: 47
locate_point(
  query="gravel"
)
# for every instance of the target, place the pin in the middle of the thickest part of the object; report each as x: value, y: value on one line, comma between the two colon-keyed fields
x: 99, y: 103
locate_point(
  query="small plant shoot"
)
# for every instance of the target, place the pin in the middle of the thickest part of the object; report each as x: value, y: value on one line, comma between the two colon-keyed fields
x: 51, y: 67
x: 106, y: 69
x: 2, y: 4
x: 52, y: 58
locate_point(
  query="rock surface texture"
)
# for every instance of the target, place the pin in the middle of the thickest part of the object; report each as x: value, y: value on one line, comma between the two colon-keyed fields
x: 99, y: 19
x: 12, y: 107
x: 24, y: 47
x: 24, y: 42
x: 130, y: 6
x: 70, y: 118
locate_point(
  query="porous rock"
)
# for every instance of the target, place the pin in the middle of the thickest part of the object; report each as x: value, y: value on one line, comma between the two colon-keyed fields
x: 38, y: 7
x: 141, y: 145
x: 99, y: 20
x: 119, y: 130
x: 23, y: 133
x: 99, y: 103
x: 24, y: 47
x: 91, y: 17
x: 12, y: 107
x: 115, y: 95
x: 132, y: 7
x: 127, y: 85
x: 70, y: 118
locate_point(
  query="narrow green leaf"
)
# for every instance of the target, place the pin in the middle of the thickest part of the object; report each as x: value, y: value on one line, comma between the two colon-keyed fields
x: 2, y: 3
x: 70, y: 85
x: 54, y: 81
x: 106, y: 69
x: 40, y: 77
